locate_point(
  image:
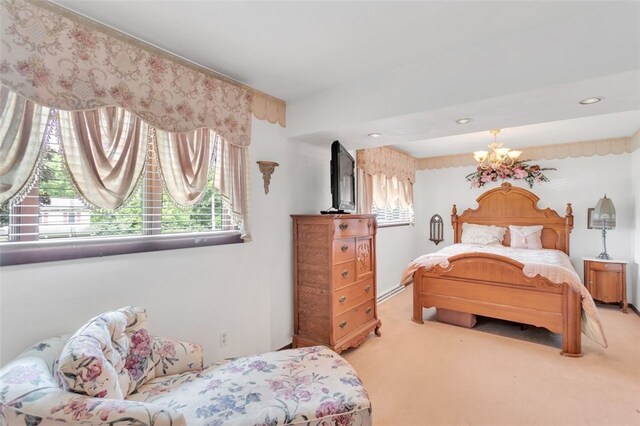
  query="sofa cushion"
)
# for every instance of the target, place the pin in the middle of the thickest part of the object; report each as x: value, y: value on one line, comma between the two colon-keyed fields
x: 310, y: 386
x: 109, y: 357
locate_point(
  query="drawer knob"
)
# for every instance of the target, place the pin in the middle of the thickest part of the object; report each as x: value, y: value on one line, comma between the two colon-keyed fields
x: 343, y: 226
x: 345, y: 273
x: 368, y: 224
x: 368, y: 310
x: 342, y: 299
x: 367, y: 288
x: 343, y: 324
x: 344, y: 248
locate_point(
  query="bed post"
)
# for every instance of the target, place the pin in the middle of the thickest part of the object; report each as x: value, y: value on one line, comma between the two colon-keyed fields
x: 568, y: 227
x: 417, y: 303
x: 454, y: 223
x: 571, y: 337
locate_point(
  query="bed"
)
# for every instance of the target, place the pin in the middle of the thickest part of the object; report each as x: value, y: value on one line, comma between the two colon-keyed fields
x: 492, y: 282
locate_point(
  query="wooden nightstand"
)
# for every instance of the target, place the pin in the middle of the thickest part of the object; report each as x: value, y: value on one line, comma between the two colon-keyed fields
x: 606, y: 280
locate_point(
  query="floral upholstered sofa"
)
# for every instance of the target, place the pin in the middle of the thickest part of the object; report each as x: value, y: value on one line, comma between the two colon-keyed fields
x: 164, y: 383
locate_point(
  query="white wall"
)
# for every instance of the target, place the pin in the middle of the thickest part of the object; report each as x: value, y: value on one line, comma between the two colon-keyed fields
x: 580, y: 181
x: 191, y: 294
x: 396, y: 247
x: 634, y: 286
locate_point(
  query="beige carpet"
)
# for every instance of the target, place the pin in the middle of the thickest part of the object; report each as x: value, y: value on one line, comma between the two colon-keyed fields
x: 439, y: 374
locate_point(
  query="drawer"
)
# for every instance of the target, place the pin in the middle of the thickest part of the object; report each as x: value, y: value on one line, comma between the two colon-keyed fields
x: 344, y: 274
x: 603, y: 266
x: 352, y: 227
x: 353, y: 319
x: 351, y: 296
x: 344, y: 250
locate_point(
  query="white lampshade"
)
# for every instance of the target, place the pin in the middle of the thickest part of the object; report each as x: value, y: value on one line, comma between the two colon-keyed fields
x: 604, y: 214
x: 480, y: 155
x: 502, y: 151
x: 515, y: 154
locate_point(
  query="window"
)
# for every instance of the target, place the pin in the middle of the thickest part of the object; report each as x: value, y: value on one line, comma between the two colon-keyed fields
x: 52, y: 222
x: 389, y: 216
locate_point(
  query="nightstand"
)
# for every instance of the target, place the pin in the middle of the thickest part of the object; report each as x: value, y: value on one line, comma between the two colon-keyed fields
x: 606, y: 280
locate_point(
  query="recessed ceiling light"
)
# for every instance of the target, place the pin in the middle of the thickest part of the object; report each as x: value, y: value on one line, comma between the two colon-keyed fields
x: 374, y: 135
x: 590, y: 101
x: 464, y: 120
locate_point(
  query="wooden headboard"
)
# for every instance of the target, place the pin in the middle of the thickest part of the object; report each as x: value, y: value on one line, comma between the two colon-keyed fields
x: 509, y: 205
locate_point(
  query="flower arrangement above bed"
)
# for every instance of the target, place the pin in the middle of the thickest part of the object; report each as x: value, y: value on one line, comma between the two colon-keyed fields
x: 520, y: 169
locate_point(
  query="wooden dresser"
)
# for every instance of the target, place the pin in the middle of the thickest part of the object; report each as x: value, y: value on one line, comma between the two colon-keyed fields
x: 334, y: 280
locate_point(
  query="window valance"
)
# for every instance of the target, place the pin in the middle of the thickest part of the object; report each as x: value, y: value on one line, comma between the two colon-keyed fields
x: 59, y: 60
x: 388, y: 162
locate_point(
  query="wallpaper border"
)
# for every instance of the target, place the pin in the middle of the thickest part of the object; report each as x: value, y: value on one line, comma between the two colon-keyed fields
x: 546, y: 152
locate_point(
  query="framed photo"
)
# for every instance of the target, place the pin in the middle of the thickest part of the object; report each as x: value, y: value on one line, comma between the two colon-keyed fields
x: 589, y: 212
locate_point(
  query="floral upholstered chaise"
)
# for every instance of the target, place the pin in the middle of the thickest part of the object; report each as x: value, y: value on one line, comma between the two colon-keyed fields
x: 111, y: 372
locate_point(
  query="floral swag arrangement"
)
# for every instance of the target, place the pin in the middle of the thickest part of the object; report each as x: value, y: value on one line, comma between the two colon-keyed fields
x: 520, y: 169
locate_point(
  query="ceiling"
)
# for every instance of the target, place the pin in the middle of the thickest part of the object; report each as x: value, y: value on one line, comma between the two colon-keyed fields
x: 351, y: 68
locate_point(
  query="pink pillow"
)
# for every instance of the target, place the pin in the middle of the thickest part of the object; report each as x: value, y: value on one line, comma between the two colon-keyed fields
x: 528, y: 237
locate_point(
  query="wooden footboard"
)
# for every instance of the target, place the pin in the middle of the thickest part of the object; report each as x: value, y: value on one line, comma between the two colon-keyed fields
x: 496, y: 286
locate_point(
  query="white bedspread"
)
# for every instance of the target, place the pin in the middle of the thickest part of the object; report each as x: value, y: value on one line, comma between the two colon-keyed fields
x: 554, y: 265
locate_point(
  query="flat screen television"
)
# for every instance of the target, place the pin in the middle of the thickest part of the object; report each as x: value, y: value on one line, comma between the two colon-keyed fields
x: 343, y: 182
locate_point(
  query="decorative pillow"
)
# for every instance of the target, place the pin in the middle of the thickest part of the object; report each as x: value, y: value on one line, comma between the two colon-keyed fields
x: 109, y: 357
x: 529, y: 237
x: 482, y: 234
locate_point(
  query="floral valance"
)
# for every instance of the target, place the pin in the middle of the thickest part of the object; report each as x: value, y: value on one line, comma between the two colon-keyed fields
x: 60, y: 60
x: 387, y: 161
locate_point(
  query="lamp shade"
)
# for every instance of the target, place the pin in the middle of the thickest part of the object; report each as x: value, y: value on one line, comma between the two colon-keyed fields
x: 604, y: 214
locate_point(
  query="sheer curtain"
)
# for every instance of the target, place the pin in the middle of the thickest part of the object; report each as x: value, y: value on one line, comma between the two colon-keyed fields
x: 22, y: 128
x: 233, y: 181
x: 386, y: 178
x: 105, y: 152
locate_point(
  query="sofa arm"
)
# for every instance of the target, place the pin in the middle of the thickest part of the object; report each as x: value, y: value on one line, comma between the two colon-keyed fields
x: 175, y: 357
x: 30, y: 396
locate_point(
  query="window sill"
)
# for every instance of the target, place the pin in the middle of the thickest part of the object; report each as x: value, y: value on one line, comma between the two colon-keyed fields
x: 393, y: 224
x: 49, y: 251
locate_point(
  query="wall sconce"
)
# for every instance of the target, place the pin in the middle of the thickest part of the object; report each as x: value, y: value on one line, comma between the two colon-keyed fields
x: 267, y: 168
x: 436, y: 229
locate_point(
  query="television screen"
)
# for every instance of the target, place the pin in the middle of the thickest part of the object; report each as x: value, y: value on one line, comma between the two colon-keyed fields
x: 343, y: 189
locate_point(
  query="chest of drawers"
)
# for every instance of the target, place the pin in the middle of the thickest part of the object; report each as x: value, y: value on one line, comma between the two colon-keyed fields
x: 334, y: 275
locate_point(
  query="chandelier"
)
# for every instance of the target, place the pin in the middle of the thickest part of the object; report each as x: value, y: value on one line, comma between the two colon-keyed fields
x: 497, y: 156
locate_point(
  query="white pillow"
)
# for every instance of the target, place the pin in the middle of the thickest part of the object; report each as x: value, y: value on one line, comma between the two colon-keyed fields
x: 482, y: 234
x: 529, y: 237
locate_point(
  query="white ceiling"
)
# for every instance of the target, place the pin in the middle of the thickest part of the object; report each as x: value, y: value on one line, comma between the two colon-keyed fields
x: 622, y: 124
x: 409, y: 69
x: 293, y: 48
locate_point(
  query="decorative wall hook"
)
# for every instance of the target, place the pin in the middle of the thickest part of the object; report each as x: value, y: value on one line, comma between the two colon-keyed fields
x: 267, y: 168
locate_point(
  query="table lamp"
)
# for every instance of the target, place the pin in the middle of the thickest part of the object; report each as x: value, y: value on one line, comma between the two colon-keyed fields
x: 604, y: 217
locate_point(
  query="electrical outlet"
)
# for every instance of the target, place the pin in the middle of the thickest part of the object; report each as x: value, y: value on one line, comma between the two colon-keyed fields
x: 223, y: 338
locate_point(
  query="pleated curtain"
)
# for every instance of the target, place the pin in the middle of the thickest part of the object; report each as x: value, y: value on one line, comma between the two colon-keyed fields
x: 22, y: 128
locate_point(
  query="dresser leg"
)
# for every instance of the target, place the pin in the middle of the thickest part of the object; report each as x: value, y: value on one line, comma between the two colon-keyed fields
x: 377, y: 329
x: 623, y: 305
